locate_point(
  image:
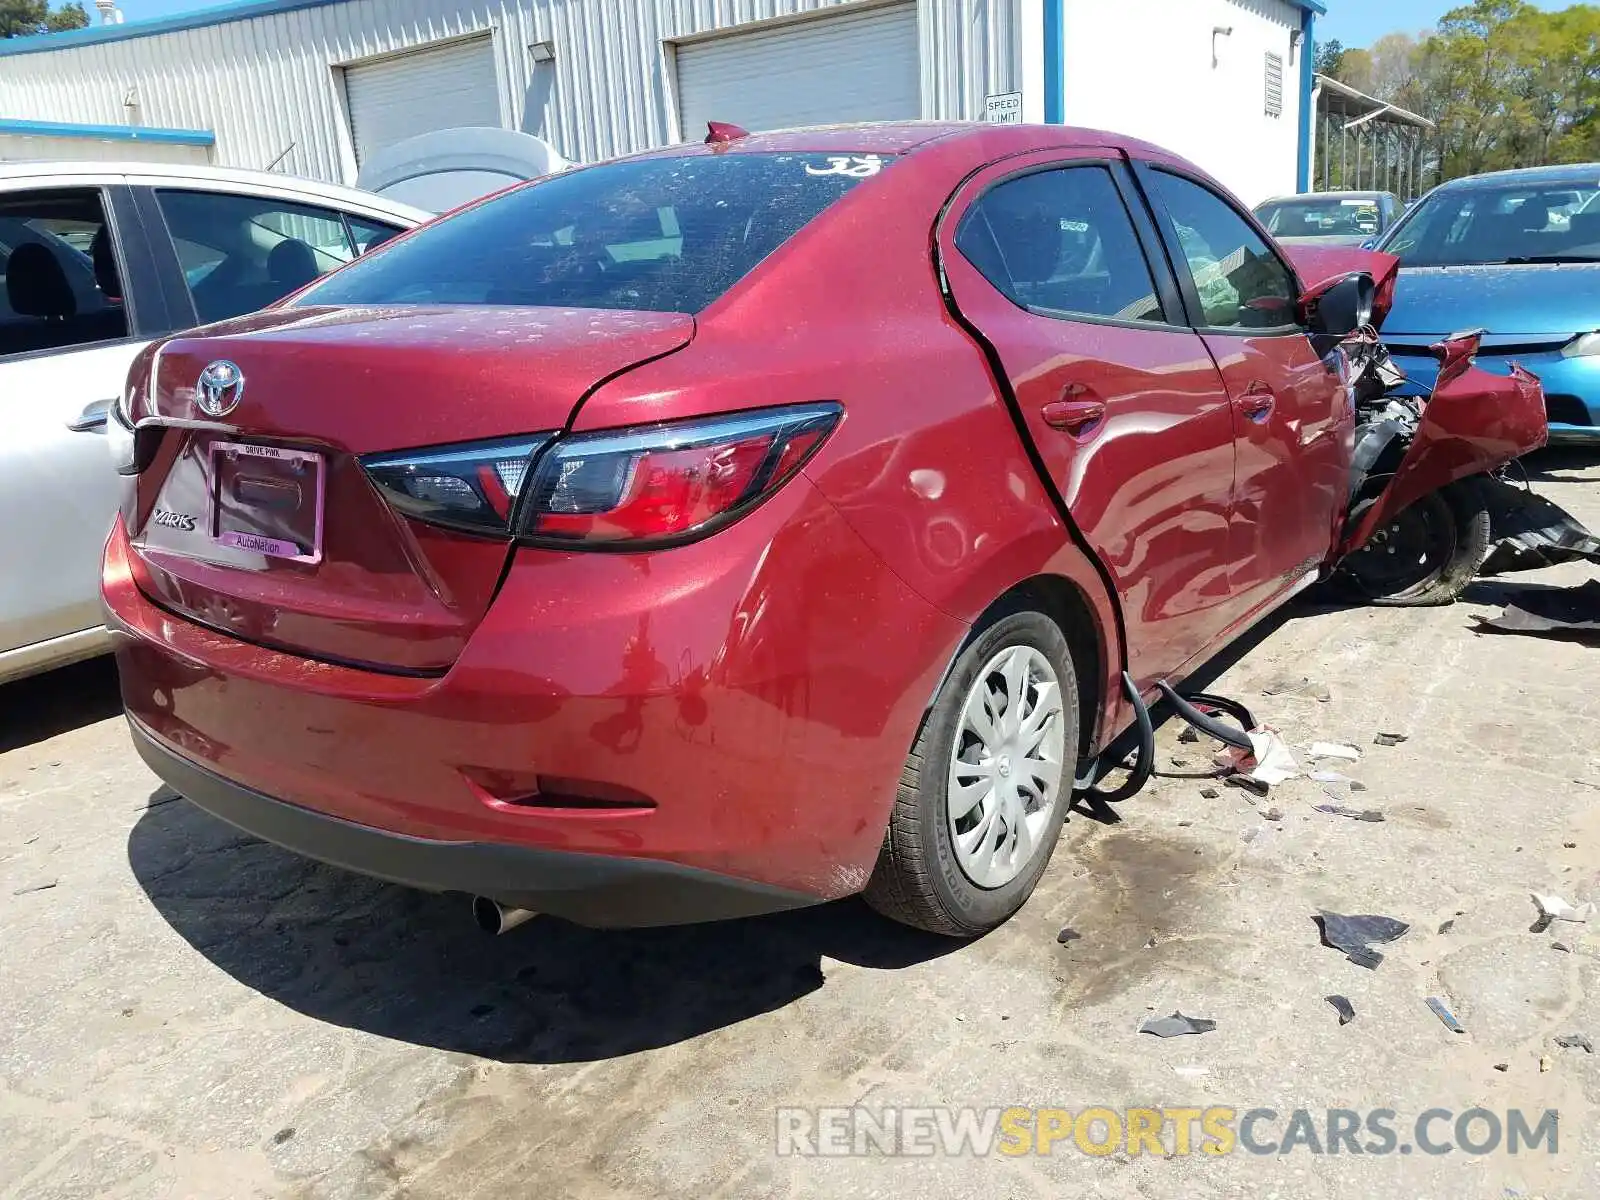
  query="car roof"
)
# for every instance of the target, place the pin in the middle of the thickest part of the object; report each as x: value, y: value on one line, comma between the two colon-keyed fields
x: 213, y: 178
x: 903, y: 137
x: 1336, y: 195
x: 1572, y: 173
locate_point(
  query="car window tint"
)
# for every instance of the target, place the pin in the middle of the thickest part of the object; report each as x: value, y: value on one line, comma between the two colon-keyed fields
x: 1480, y: 223
x: 369, y: 235
x: 60, y: 284
x: 240, y: 253
x: 1240, y: 281
x: 1060, y: 242
x: 654, y: 234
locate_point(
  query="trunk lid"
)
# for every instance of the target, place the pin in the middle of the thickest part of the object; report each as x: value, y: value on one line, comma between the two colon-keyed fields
x: 261, y: 522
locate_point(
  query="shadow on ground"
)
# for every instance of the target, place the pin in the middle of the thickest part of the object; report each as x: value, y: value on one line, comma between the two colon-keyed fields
x: 68, y: 698
x: 1558, y: 463
x: 412, y: 967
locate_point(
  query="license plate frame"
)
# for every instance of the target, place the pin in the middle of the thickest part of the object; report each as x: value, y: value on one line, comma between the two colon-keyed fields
x: 227, y: 513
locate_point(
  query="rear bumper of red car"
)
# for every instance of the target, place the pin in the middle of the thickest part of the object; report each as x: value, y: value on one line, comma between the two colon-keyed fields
x: 594, y: 889
x: 626, y: 739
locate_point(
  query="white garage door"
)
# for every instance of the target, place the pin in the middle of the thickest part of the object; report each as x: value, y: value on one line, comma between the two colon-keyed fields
x: 848, y: 66
x: 442, y: 88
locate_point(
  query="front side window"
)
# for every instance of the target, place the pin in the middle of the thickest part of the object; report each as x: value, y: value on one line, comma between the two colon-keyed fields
x: 59, y: 281
x: 1486, y: 225
x: 652, y: 234
x: 1060, y: 243
x: 1241, y: 283
x: 240, y: 253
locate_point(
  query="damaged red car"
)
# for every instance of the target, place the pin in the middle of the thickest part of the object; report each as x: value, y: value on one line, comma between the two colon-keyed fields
x: 745, y: 525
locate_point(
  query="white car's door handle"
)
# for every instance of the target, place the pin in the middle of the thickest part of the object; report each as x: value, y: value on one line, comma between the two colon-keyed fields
x: 92, y: 417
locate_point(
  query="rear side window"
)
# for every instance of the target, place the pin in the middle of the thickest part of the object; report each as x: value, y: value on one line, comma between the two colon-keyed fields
x: 240, y: 253
x: 654, y: 234
x: 60, y: 285
x: 1060, y: 243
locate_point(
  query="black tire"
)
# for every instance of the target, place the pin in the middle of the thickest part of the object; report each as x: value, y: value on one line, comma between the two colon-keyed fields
x: 1426, y: 557
x: 918, y: 880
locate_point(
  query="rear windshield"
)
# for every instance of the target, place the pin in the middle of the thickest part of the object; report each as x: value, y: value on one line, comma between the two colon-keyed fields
x: 654, y: 234
x: 1348, y: 216
x: 1478, y: 225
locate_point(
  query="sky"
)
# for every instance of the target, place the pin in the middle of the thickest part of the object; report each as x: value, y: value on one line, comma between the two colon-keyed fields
x: 1353, y: 22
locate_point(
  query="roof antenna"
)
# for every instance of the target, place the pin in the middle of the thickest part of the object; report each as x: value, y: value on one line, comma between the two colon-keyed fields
x: 722, y: 131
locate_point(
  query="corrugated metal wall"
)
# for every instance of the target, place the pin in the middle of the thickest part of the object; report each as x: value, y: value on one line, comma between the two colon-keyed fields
x: 264, y: 83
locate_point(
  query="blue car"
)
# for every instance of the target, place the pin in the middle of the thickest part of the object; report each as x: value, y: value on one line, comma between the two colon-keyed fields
x: 1516, y: 253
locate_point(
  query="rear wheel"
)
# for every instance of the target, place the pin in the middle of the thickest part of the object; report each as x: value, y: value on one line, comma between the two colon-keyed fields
x: 1426, y: 556
x: 986, y: 787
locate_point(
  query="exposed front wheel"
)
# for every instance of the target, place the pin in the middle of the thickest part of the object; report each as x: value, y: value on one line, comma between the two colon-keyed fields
x: 1426, y: 556
x: 986, y: 787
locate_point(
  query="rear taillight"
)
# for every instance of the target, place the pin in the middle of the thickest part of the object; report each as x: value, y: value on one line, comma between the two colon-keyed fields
x: 645, y: 486
x: 471, y: 485
x: 664, y: 483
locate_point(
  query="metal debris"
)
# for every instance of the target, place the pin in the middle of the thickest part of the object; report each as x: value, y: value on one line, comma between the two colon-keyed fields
x: 1442, y: 1011
x: 1298, y: 686
x: 1209, y: 793
x: 1389, y: 739
x: 38, y: 885
x: 1068, y: 934
x: 1176, y: 1025
x: 1247, y: 784
x: 1342, y: 1006
x: 1575, y: 1041
x: 1356, y: 935
x: 1334, y: 750
x: 1357, y: 814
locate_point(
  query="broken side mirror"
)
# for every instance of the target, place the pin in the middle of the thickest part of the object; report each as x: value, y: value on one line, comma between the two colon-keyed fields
x: 1339, y: 307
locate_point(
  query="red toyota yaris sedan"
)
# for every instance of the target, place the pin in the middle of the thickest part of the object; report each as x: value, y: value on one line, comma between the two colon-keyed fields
x: 725, y: 529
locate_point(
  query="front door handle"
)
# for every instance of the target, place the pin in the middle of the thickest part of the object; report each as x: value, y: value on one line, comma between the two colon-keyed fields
x: 92, y: 417
x: 1078, y: 417
x: 1257, y: 401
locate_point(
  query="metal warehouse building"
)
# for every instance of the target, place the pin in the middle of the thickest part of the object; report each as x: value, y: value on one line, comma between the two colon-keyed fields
x: 316, y: 86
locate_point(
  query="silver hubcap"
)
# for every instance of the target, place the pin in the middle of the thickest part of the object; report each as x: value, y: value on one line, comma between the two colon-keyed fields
x: 1005, y: 767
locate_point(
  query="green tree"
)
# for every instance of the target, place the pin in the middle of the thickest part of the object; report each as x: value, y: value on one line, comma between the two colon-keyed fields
x: 1330, y: 54
x: 19, y: 18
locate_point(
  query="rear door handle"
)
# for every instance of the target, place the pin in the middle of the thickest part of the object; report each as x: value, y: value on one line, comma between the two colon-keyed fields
x: 1257, y: 401
x: 1078, y: 417
x: 92, y: 417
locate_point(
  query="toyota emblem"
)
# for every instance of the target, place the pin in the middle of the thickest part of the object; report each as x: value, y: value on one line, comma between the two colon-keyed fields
x: 220, y: 387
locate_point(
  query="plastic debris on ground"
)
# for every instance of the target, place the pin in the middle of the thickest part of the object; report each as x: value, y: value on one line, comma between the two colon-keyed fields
x: 1389, y: 739
x: 1355, y: 814
x: 1555, y: 610
x: 1189, y: 735
x: 1545, y: 1063
x: 1575, y: 1041
x: 1355, y: 935
x: 1245, y: 783
x: 1442, y: 1011
x: 1554, y: 908
x: 1068, y: 934
x: 1177, y: 1025
x: 1329, y: 777
x: 1447, y: 926
x: 1562, y: 946
x: 1209, y: 793
x: 1334, y: 750
x: 1342, y: 1006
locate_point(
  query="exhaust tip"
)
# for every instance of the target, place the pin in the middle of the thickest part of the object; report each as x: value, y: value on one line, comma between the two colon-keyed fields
x: 493, y: 917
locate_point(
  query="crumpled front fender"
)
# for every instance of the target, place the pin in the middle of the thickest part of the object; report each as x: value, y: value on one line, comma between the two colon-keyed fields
x: 1475, y: 422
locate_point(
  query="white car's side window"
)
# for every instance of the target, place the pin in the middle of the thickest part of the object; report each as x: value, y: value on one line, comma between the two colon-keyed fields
x: 59, y: 281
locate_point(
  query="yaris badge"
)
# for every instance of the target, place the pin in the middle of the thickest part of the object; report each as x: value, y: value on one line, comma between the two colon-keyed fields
x: 220, y: 387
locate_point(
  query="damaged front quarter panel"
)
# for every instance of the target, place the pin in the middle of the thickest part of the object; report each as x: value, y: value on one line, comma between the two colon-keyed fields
x: 1473, y: 423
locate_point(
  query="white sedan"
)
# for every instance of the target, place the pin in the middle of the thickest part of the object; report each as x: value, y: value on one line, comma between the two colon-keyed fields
x: 96, y: 260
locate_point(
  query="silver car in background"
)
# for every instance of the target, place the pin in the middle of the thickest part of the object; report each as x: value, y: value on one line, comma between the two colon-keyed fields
x: 96, y: 260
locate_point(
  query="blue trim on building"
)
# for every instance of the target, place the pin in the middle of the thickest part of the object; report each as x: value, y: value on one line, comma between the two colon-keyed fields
x: 234, y: 10
x: 1313, y: 6
x: 111, y: 133
x: 1308, y: 119
x: 1055, y: 82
